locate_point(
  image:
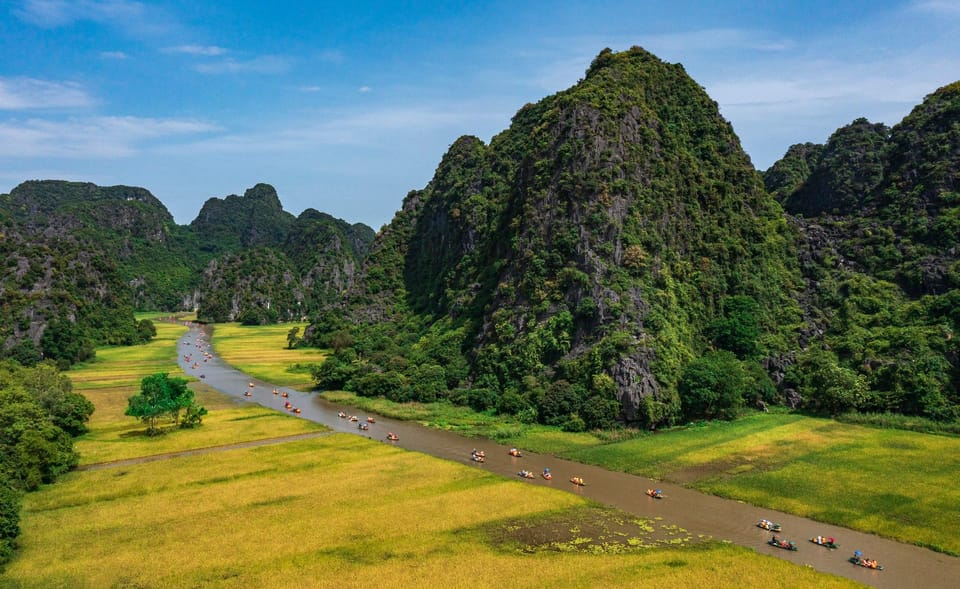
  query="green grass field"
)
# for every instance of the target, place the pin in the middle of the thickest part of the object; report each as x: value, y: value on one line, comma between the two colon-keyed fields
x: 330, y: 511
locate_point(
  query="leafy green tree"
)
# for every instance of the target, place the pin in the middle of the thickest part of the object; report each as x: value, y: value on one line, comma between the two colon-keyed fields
x: 162, y: 396
x: 9, y: 518
x: 561, y: 400
x: 66, y: 342
x: 25, y: 352
x: 713, y: 386
x: 293, y: 337
x: 826, y: 386
x: 146, y: 330
x: 53, y: 391
x: 738, y: 330
x: 33, y: 450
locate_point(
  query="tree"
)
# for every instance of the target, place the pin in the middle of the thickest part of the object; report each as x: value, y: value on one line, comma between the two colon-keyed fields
x: 146, y: 330
x: 161, y: 395
x: 33, y: 450
x: 826, y: 386
x: 9, y: 518
x: 739, y: 328
x: 53, y: 392
x: 713, y: 386
x: 293, y: 337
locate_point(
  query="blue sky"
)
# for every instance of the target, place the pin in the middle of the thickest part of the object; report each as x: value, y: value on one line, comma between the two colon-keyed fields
x: 346, y: 106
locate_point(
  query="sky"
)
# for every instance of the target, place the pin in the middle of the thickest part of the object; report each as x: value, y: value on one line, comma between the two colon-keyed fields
x: 346, y: 106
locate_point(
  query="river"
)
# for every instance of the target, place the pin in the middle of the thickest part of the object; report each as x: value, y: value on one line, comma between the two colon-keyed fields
x: 904, y: 565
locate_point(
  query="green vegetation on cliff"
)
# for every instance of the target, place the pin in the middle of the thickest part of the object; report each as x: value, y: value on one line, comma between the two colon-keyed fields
x: 81, y: 258
x: 879, y: 241
x: 570, y: 270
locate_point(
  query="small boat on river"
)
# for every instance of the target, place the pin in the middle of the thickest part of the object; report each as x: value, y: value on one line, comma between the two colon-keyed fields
x: 824, y: 541
x: 392, y: 436
x: 514, y: 452
x: 547, y: 474
x: 577, y: 481
x: 868, y: 563
x: 655, y: 493
x: 769, y: 525
x: 785, y: 544
x: 525, y: 474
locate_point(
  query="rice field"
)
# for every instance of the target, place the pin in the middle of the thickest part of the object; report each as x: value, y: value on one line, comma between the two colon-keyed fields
x: 261, y: 351
x: 894, y: 483
x: 329, y: 511
x: 336, y: 511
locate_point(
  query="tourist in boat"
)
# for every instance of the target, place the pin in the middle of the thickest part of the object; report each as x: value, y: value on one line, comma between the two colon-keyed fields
x: 547, y: 474
x: 514, y: 452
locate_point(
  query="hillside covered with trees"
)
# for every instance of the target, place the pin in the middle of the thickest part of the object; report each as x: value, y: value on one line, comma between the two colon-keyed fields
x: 614, y: 255
x: 80, y: 258
x: 611, y: 257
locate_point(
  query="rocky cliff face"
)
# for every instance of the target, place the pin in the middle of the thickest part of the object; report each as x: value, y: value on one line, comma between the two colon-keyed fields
x: 598, y: 235
x: 892, y: 195
x: 276, y: 267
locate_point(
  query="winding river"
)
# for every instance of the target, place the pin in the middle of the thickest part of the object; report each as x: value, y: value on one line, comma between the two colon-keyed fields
x: 723, y: 519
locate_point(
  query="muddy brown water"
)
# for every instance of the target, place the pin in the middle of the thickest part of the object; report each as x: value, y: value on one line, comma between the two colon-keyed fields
x: 722, y: 519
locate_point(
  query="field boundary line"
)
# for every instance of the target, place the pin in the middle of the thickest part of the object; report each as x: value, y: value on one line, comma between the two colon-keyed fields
x: 204, y: 450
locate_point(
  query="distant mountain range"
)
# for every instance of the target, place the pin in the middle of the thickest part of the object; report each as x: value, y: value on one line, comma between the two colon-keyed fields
x: 611, y: 256
x: 84, y: 257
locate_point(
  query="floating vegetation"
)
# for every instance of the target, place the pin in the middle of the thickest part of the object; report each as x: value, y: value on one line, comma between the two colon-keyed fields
x: 592, y: 529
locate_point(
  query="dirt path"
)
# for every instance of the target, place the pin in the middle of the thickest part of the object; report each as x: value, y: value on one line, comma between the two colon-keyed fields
x: 207, y: 450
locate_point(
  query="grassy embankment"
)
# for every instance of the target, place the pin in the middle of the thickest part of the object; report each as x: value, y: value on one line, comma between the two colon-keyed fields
x: 337, y: 510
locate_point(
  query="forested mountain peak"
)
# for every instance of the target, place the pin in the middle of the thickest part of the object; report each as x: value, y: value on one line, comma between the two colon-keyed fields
x: 81, y: 257
x: 592, y: 242
x: 255, y: 219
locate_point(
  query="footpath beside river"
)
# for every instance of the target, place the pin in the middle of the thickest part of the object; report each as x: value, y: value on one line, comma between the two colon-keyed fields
x: 722, y: 519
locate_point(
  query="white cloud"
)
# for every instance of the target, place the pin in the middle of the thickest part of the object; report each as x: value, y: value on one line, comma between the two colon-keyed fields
x: 30, y: 93
x: 332, y: 56
x: 58, y: 13
x: 311, y: 88
x: 92, y: 137
x: 266, y: 64
x: 205, y: 50
x: 119, y: 55
x: 364, y: 89
x: 938, y: 7
x: 366, y: 129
